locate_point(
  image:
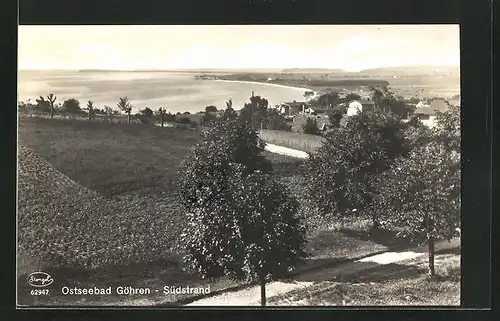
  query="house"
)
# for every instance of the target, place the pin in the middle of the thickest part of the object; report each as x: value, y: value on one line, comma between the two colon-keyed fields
x: 293, y: 108
x: 422, y: 103
x: 356, y: 106
x: 426, y: 115
x: 322, y: 122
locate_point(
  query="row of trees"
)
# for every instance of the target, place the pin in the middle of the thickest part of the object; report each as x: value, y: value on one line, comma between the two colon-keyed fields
x: 242, y: 222
x: 402, y: 175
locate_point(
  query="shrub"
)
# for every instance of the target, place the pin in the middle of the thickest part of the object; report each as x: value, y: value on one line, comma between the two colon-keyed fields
x: 311, y: 127
x: 72, y: 106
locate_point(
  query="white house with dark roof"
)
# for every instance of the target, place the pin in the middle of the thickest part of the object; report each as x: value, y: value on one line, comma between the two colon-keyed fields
x: 356, y: 106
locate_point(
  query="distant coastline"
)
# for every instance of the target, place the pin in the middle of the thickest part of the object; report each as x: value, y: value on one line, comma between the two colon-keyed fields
x: 303, y: 89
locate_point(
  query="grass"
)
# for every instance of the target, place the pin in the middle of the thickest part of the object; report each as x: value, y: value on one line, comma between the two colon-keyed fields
x: 393, y: 284
x: 109, y: 158
x: 303, y: 142
x: 86, y: 161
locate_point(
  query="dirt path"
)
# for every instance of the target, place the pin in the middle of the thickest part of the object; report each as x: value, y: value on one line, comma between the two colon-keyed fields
x: 285, y: 151
x: 251, y: 295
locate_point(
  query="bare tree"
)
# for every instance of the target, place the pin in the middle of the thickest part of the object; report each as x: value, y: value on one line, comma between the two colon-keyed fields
x: 110, y: 112
x: 125, y: 106
x: 161, y: 112
x: 51, y: 100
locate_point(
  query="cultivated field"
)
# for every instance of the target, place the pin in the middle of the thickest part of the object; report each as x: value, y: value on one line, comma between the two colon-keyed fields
x: 112, y: 186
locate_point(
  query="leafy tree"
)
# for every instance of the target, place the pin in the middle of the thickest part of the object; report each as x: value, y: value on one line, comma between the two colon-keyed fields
x: 240, y: 221
x: 90, y: 108
x: 110, y: 113
x: 72, y: 106
x: 255, y: 112
x: 146, y: 115
x: 335, y: 115
x: 210, y: 109
x: 186, y: 113
x: 341, y: 177
x: 387, y: 102
x: 161, y: 112
x: 308, y: 94
x: 311, y: 127
x: 208, y: 119
x: 275, y: 121
x: 125, y: 106
x: 330, y: 99
x: 421, y: 194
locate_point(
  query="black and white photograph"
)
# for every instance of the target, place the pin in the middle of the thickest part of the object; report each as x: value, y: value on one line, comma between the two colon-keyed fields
x: 238, y: 165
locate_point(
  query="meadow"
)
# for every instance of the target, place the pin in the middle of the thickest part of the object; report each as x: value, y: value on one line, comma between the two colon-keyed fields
x: 116, y: 182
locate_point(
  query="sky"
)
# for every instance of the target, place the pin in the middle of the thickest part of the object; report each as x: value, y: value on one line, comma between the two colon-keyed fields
x: 348, y: 47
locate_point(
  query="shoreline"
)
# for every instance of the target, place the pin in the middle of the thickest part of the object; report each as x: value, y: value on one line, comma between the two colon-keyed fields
x: 303, y: 89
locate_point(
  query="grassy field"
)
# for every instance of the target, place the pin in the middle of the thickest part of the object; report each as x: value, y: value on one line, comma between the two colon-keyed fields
x: 303, y: 142
x: 118, y: 180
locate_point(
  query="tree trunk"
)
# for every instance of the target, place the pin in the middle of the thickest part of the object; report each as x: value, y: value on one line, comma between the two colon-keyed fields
x: 432, y: 272
x: 128, y: 118
x: 161, y: 120
x: 51, y: 111
x: 90, y: 116
x: 262, y: 291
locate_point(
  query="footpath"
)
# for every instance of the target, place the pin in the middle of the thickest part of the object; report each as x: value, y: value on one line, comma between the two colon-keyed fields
x: 250, y: 296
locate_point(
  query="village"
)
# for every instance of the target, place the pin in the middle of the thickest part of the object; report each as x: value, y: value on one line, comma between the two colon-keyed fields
x: 313, y: 107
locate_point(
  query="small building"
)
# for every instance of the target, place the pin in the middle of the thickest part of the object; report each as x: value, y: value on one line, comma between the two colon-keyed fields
x: 356, y: 106
x: 426, y: 115
x: 293, y: 108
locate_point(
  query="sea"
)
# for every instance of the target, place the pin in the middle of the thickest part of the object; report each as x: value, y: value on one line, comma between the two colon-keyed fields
x: 174, y: 91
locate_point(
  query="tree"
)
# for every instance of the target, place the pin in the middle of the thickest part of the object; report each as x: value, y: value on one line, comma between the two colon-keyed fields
x: 110, y: 112
x: 341, y: 177
x: 308, y: 94
x: 255, y: 112
x: 275, y: 121
x: 210, y: 109
x: 51, y: 99
x: 240, y: 221
x: 146, y: 115
x: 335, y: 115
x: 161, y: 112
x: 311, y: 127
x: 229, y: 112
x: 42, y: 104
x: 208, y: 119
x: 387, y: 102
x: 330, y: 99
x: 186, y: 113
x: 90, y: 108
x: 72, y: 106
x: 421, y: 194
x: 125, y: 106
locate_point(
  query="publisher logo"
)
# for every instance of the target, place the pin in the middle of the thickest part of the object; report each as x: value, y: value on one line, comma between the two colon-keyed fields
x: 39, y: 279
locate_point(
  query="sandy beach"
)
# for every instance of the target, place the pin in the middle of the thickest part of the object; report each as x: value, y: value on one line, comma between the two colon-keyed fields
x: 302, y: 89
